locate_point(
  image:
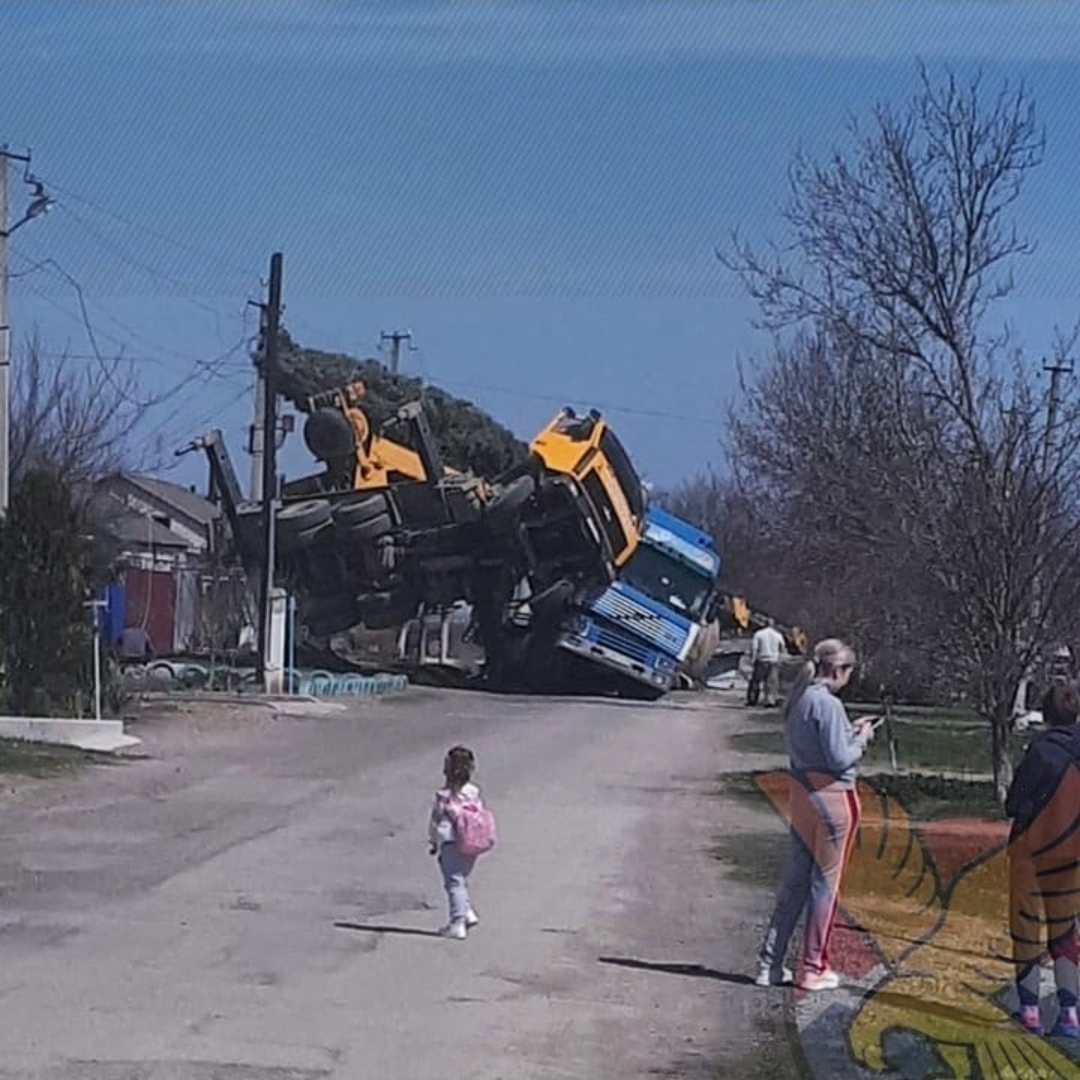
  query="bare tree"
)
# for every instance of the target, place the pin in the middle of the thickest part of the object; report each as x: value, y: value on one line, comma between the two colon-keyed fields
x: 73, y: 418
x: 903, y: 435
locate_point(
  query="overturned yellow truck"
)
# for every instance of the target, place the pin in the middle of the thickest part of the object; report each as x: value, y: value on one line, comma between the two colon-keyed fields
x: 384, y: 531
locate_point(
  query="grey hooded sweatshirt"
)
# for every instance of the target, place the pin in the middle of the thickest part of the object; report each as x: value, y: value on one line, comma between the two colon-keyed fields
x: 820, y: 737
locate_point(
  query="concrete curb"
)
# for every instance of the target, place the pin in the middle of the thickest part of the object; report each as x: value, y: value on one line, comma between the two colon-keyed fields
x: 104, y: 736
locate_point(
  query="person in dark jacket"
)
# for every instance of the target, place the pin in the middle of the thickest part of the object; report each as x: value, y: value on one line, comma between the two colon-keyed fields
x: 1044, y: 856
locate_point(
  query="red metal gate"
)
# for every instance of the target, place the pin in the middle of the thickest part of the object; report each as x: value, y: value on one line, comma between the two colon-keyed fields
x: 150, y: 600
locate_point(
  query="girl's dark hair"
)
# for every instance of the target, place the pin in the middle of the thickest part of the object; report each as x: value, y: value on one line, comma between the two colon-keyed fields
x: 459, y: 766
x: 1061, y: 706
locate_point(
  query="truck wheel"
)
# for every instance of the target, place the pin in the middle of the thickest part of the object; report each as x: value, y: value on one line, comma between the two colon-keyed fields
x: 354, y: 513
x: 380, y: 611
x: 330, y: 615
x: 298, y: 517
x: 633, y: 690
x: 371, y: 529
x: 549, y: 605
x: 502, y: 508
x: 290, y: 543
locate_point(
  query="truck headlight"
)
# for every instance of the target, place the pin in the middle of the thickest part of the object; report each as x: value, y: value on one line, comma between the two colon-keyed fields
x: 667, y: 665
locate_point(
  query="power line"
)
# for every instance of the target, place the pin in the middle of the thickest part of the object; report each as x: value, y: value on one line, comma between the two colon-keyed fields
x: 210, y: 366
x: 198, y: 425
x: 139, y: 264
x: 606, y: 407
x: 135, y: 358
x: 91, y: 336
x: 214, y: 260
x: 54, y: 269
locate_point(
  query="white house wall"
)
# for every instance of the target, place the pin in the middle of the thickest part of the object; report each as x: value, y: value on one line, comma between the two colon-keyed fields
x: 195, y: 536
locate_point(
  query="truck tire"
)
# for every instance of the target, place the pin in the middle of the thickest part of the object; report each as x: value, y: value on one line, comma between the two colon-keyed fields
x: 371, y: 529
x: 291, y: 543
x: 504, y: 506
x: 548, y: 606
x: 632, y: 690
x: 329, y: 435
x: 298, y: 517
x: 380, y: 611
x: 327, y: 615
x: 353, y: 513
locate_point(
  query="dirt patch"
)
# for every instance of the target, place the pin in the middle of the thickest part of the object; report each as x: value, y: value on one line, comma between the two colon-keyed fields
x: 39, y: 760
x: 753, y: 858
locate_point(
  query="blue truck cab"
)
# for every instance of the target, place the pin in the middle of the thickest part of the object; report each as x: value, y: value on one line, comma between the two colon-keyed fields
x: 643, y: 625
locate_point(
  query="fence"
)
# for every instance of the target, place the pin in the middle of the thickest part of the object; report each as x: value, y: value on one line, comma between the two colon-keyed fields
x: 187, y: 609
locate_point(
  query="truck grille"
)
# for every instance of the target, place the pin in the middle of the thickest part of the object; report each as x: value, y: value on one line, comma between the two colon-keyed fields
x: 627, y: 646
x: 624, y: 611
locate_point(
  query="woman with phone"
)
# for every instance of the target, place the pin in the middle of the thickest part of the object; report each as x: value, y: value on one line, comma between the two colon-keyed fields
x: 823, y: 748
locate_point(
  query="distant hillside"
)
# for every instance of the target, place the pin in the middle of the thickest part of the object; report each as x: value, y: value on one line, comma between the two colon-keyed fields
x: 468, y: 437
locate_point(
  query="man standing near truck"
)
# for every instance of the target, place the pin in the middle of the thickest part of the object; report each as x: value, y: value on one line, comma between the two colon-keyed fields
x: 767, y: 649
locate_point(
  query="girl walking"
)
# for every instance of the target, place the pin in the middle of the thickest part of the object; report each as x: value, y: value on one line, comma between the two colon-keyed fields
x: 823, y: 747
x: 458, y: 792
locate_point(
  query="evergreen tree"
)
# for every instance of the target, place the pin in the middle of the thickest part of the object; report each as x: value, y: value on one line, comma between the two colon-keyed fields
x: 468, y: 437
x: 46, y: 577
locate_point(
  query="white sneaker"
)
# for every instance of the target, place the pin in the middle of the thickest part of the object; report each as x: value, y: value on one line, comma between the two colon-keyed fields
x: 471, y: 918
x: 812, y: 981
x: 454, y: 930
x: 767, y: 976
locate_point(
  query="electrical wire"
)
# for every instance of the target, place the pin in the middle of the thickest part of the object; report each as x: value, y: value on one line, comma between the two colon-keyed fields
x: 140, y: 265
x: 211, y: 260
x: 606, y: 407
x: 55, y: 270
x: 210, y: 368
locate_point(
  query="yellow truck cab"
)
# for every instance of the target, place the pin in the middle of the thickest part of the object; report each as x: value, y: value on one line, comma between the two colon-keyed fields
x: 586, y: 455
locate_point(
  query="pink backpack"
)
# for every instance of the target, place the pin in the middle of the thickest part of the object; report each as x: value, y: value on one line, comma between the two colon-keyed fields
x: 474, y: 826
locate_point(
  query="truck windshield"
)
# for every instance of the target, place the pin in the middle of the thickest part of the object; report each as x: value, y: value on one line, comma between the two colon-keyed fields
x: 667, y: 581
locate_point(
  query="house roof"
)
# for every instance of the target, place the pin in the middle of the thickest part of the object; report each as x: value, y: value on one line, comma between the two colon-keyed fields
x: 127, y: 527
x: 187, y: 502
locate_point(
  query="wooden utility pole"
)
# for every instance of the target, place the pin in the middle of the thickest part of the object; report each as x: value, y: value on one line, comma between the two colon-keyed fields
x: 272, y: 324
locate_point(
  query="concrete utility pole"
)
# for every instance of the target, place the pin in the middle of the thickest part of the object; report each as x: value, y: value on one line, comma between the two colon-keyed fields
x: 395, y: 339
x: 1056, y: 370
x: 269, y: 460
x: 38, y: 205
x: 96, y: 607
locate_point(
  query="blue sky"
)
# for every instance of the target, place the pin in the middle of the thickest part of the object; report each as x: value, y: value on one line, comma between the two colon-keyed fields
x: 534, y: 189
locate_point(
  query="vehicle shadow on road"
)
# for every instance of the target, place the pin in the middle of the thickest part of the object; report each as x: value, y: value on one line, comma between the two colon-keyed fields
x: 694, y: 971
x: 372, y: 928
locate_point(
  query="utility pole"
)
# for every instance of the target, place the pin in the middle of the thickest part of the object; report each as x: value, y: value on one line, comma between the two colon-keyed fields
x: 1056, y: 369
x: 5, y: 340
x: 38, y: 205
x: 395, y: 339
x: 269, y: 461
x: 96, y: 607
x: 257, y: 432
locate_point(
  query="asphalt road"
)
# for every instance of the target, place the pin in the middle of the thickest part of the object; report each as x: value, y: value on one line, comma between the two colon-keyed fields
x: 253, y: 899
